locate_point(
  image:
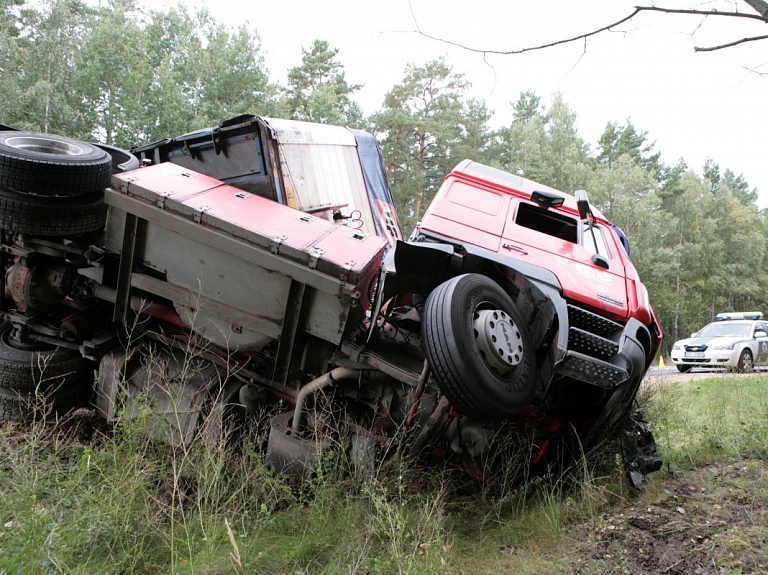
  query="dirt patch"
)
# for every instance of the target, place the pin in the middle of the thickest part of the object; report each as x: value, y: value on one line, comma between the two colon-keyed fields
x: 703, y: 520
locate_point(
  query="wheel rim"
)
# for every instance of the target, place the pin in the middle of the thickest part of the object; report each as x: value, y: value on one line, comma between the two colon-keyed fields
x: 498, y: 339
x: 45, y: 146
x: 11, y: 338
x: 746, y: 362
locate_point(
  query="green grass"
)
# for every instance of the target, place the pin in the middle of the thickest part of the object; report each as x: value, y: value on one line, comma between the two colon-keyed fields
x: 721, y: 417
x: 119, y: 503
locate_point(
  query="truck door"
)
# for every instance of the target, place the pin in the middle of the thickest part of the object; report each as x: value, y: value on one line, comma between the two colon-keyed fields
x: 567, y: 246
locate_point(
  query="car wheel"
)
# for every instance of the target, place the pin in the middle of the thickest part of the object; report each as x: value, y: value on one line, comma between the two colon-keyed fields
x: 39, y: 368
x: 51, y: 165
x: 682, y: 368
x: 51, y: 216
x: 479, y: 348
x: 745, y: 364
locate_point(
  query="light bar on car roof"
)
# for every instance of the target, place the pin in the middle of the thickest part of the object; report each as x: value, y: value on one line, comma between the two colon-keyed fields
x: 740, y: 315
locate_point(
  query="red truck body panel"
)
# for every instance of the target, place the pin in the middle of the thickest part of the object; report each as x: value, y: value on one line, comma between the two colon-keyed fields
x: 338, y: 250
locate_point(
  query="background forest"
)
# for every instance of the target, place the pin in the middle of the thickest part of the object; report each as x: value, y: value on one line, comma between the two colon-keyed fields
x: 125, y: 77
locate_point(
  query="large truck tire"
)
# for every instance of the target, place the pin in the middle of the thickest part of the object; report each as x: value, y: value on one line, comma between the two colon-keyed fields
x: 51, y: 165
x: 24, y: 405
x: 40, y: 370
x: 51, y: 216
x: 478, y: 347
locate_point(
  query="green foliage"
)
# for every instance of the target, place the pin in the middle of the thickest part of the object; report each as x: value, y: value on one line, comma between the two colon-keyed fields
x: 618, y: 140
x: 230, y: 78
x: 38, y: 89
x: 318, y: 90
x: 113, y: 76
x: 544, y: 145
x: 523, y: 142
x: 737, y: 185
x: 424, y: 125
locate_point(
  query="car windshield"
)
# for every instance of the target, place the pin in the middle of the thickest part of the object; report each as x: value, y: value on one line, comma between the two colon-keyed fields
x: 722, y: 329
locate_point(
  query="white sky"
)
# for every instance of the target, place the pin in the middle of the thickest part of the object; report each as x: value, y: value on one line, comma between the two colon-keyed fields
x: 693, y: 105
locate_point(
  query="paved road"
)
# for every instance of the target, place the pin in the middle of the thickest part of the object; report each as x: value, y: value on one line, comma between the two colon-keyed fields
x: 672, y: 370
x: 659, y: 371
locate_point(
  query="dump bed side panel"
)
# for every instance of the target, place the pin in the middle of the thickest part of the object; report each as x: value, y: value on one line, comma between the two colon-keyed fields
x: 234, y: 252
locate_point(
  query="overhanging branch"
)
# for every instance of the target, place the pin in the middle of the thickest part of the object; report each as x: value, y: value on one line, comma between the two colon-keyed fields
x: 729, y: 44
x: 759, y: 5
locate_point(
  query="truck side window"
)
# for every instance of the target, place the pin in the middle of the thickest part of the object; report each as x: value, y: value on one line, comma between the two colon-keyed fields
x: 547, y: 222
x: 593, y: 240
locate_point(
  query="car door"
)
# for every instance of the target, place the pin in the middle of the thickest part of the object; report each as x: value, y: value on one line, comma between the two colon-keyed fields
x: 761, y: 337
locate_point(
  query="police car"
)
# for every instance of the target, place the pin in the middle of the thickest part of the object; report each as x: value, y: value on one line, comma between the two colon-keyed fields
x: 737, y: 341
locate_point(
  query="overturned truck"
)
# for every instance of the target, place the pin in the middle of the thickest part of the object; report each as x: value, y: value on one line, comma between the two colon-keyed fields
x: 257, y: 270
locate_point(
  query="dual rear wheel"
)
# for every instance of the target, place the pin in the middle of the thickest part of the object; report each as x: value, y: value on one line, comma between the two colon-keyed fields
x: 51, y: 185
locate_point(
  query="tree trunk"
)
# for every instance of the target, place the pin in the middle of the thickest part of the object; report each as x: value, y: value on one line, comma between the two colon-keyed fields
x: 420, y: 193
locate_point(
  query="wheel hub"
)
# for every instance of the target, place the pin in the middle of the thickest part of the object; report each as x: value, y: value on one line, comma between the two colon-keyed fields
x: 45, y: 146
x: 498, y: 340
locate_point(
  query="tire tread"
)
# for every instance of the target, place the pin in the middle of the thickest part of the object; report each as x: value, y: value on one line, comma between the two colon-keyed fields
x: 18, y: 405
x: 34, y: 173
x: 457, y: 380
x: 41, y: 371
x: 50, y: 216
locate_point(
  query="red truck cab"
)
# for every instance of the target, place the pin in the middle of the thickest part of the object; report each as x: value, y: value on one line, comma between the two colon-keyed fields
x: 557, y: 289
x: 499, y: 212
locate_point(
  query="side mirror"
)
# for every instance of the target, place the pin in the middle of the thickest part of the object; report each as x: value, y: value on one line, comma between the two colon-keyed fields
x: 760, y: 333
x: 582, y: 200
x: 547, y: 199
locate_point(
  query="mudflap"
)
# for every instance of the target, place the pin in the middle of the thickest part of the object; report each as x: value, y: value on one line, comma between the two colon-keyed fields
x: 638, y: 450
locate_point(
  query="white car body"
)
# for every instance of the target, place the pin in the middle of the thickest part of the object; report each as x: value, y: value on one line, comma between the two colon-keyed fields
x: 732, y: 343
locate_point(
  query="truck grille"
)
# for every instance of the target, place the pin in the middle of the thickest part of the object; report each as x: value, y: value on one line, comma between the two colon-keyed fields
x: 592, y: 344
x: 592, y: 322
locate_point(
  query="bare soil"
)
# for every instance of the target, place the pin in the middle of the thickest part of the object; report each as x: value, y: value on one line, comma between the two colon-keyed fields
x: 700, y: 520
